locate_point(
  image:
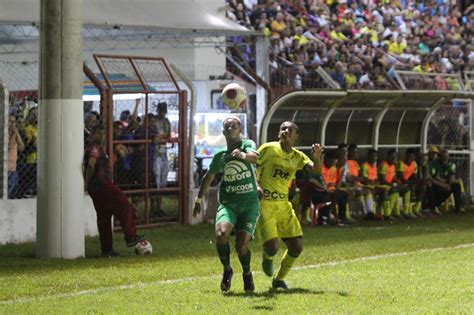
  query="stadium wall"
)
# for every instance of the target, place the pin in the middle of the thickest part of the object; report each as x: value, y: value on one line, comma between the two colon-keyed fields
x: 18, y: 220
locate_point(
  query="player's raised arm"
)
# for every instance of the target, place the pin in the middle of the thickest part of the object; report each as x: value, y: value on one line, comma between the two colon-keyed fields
x: 316, y: 153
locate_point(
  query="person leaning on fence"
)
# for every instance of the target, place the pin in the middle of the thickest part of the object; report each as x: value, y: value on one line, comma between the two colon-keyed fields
x: 15, y: 145
x: 443, y: 183
x: 388, y: 183
x: 161, y: 163
x: 108, y: 198
x: 28, y: 169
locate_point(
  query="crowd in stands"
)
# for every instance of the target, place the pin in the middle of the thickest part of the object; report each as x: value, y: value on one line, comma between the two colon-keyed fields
x: 128, y: 159
x: 389, y: 188
x: 360, y: 43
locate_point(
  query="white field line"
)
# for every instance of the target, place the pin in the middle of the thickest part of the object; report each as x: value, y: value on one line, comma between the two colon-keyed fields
x: 191, y: 279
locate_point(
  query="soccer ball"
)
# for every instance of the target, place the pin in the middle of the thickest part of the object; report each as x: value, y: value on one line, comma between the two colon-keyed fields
x: 234, y: 95
x: 143, y: 248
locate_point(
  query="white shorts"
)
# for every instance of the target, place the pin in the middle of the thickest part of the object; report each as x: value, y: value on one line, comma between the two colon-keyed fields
x: 161, y: 169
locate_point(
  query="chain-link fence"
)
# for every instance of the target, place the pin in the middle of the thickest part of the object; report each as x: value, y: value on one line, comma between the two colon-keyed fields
x: 21, y: 81
x: 412, y: 80
x: 138, y: 121
x: 449, y: 129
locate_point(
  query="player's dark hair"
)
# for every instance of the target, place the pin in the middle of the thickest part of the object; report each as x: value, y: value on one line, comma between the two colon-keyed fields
x: 295, y: 126
x: 391, y: 151
x: 410, y: 151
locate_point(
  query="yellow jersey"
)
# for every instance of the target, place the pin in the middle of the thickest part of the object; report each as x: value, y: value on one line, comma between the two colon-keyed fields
x: 276, y: 169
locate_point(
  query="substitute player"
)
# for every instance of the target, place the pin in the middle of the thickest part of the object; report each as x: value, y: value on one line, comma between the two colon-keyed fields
x: 277, y: 164
x: 239, y: 206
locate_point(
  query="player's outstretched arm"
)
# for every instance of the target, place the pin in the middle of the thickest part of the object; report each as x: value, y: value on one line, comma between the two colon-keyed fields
x: 206, y: 182
x: 316, y: 154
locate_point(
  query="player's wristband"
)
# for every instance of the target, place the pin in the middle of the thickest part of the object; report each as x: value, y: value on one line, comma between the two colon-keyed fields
x: 198, y: 200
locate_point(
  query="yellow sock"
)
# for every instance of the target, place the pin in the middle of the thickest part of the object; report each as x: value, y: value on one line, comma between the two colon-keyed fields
x: 417, y: 207
x: 308, y: 214
x: 386, y: 209
x: 348, y: 212
x: 407, y: 202
x: 286, y: 263
x: 462, y: 185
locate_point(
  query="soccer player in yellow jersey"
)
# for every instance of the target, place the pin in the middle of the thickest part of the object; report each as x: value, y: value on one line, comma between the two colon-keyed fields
x: 277, y: 164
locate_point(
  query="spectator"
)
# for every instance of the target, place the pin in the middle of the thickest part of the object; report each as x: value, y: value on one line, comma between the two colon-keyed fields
x: 91, y: 120
x: 349, y: 32
x: 15, y: 145
x: 163, y: 135
x: 443, y: 179
x: 338, y: 74
x: 388, y: 181
x: 28, y: 169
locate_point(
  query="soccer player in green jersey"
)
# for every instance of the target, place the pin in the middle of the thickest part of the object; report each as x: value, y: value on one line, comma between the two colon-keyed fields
x: 277, y: 164
x: 239, y: 206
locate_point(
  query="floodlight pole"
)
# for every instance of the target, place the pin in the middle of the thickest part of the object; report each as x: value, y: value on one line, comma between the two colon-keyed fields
x: 60, y: 212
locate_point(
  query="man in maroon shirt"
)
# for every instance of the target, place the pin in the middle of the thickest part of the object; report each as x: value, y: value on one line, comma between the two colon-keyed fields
x: 108, y: 199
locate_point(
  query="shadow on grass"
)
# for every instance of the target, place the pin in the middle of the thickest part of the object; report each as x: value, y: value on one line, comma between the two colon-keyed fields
x: 274, y: 292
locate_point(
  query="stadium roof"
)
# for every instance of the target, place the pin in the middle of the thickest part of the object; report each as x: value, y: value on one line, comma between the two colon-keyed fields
x: 179, y: 15
x: 122, y: 24
x: 318, y: 107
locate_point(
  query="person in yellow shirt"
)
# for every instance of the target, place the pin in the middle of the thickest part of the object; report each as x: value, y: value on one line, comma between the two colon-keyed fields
x: 351, y: 78
x: 299, y: 37
x: 278, y: 25
x: 28, y: 169
x: 396, y: 47
x: 407, y: 175
x: 277, y: 164
x: 337, y: 35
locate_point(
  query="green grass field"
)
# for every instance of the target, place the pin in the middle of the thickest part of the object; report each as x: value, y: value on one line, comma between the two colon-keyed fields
x: 415, y: 266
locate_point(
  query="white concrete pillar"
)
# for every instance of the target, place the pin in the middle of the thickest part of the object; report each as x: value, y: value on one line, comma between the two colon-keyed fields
x: 60, y: 213
x: 261, y: 52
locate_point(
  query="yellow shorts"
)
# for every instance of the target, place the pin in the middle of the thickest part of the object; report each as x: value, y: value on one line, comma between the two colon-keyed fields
x: 277, y: 220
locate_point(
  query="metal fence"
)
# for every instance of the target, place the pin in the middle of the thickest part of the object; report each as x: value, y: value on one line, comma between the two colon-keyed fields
x: 145, y: 113
x: 449, y: 129
x: 21, y: 81
x: 412, y: 80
